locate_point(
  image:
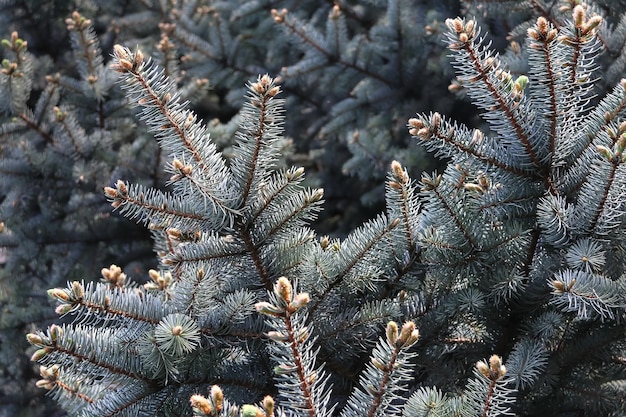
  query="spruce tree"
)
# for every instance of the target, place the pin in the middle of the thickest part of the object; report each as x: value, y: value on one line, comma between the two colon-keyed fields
x: 494, y: 288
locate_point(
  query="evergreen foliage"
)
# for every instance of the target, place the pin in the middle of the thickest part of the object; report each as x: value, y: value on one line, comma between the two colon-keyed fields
x: 230, y: 42
x: 353, y: 72
x: 510, y: 262
x: 64, y: 136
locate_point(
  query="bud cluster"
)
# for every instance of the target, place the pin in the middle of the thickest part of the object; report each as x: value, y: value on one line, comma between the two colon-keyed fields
x: 208, y: 407
x: 117, y: 194
x: 126, y: 61
x: 582, y: 23
x: 616, y: 154
x: 585, y: 28
x: 481, y: 185
x: 160, y: 282
x: 425, y: 130
x: 214, y: 406
x: 77, y: 22
x: 181, y: 170
x: 279, y: 15
x: 67, y: 297
x: 401, y: 338
x: 561, y: 287
x: 46, y: 342
x: 493, y: 371
x: 430, y: 183
x: 465, y: 32
x: 114, y: 276
x: 287, y: 301
x: 330, y: 244
x: 49, y: 377
x: 265, y: 86
x: 17, y: 46
x: 15, y: 43
x: 542, y: 32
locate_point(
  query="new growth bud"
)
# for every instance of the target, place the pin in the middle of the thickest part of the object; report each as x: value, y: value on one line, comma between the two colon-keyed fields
x: 217, y: 396
x: 249, y: 410
x: 493, y: 371
x: 279, y: 16
x: 49, y: 375
x: 268, y: 309
x: 201, y: 405
x: 34, y: 339
x: 283, y: 289
x: 299, y: 301
x: 399, y: 172
x: 408, y: 335
x: 59, y: 294
x: 268, y: 406
x: 465, y: 31
x: 392, y: 332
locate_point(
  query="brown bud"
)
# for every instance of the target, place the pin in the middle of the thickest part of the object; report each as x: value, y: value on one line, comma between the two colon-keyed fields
x: 268, y: 406
x: 201, y: 404
x: 379, y: 365
x: 269, y: 309
x: 469, y: 27
x: 110, y: 192
x: 34, y: 339
x: 177, y: 164
x: 56, y: 332
x: 299, y: 301
x: 138, y: 58
x: 579, y: 16
x: 62, y: 309
x: 39, y: 354
x: 317, y: 195
x: 45, y: 384
x: 218, y: 398
x: 423, y: 133
x: 515, y: 47
x: 552, y: 35
x: 470, y: 186
x: 283, y: 289
x: 59, y: 294
x: 592, y: 23
x: 397, y: 170
x: 121, y: 187
x: 455, y: 24
x: 416, y: 123
x: 408, y: 335
x: 435, y: 120
x: 279, y: 17
x: 258, y: 87
x: 483, y: 368
x: 558, y: 286
x: 273, y: 91
x: 392, y: 332
x: 394, y: 185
